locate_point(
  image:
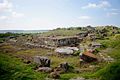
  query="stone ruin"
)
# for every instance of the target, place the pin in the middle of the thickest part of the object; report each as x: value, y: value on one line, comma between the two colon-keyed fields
x: 42, y: 61
x: 64, y: 66
x: 66, y: 50
x: 59, y: 41
x: 45, y: 69
x: 43, y: 64
x: 45, y: 42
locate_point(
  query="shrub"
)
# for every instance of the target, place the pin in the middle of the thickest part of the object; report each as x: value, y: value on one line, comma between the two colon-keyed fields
x: 110, y: 72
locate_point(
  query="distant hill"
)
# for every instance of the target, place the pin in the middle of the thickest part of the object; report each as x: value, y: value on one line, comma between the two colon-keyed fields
x: 23, y: 31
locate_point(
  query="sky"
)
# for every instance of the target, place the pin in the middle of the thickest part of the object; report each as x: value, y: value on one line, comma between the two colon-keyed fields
x: 51, y: 14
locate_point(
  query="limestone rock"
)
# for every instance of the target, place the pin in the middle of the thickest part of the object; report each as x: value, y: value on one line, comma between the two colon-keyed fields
x: 64, y: 66
x: 64, y: 51
x: 44, y: 69
x: 42, y: 61
x: 54, y: 75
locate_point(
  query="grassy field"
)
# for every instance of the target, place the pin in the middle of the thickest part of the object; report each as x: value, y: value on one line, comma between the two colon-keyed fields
x: 12, y: 68
x: 112, y: 70
x: 55, y: 59
x: 18, y: 68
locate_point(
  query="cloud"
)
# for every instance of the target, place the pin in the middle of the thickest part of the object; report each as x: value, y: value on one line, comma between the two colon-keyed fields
x: 102, y: 4
x: 7, y: 7
x: 12, y: 16
x: 112, y: 14
x: 114, y: 9
x: 84, y: 17
x: 17, y: 15
x: 90, y: 5
x: 3, y: 17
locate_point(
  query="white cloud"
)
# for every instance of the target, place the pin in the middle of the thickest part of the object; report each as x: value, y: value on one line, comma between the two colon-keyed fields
x: 102, y: 4
x: 12, y: 16
x: 17, y: 15
x: 90, y: 5
x: 112, y: 14
x: 84, y: 17
x: 3, y: 17
x: 114, y: 9
x: 7, y: 7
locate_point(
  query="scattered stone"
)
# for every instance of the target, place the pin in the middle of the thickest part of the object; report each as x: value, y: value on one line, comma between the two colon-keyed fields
x: 54, y: 75
x: 96, y: 45
x: 44, y: 69
x: 92, y: 66
x: 72, y: 48
x: 106, y: 57
x: 64, y: 51
x: 64, y: 66
x: 42, y: 61
x: 27, y: 61
x: 58, y: 70
x: 88, y: 57
x: 77, y: 71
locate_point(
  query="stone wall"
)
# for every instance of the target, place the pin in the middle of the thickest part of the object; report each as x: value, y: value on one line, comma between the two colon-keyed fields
x: 59, y: 41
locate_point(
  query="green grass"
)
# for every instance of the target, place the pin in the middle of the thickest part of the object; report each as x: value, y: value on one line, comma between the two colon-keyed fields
x: 114, y: 45
x: 68, y: 76
x: 110, y: 72
x: 73, y: 61
x: 13, y: 69
x: 33, y: 52
x: 115, y: 53
x: 55, y: 59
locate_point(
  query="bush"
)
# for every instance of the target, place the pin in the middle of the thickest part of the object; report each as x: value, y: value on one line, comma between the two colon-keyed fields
x: 110, y: 72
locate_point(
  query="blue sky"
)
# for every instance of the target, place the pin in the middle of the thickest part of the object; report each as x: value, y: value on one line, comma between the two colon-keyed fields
x: 50, y: 14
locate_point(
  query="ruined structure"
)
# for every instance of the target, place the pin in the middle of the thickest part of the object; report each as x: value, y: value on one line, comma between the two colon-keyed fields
x: 46, y: 42
x: 59, y: 41
x: 82, y: 34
